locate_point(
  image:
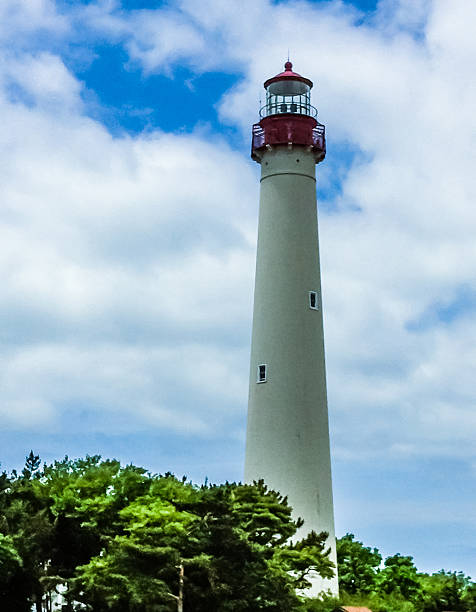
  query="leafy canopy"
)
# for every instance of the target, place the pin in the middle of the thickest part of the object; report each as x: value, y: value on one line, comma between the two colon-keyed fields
x: 116, y: 537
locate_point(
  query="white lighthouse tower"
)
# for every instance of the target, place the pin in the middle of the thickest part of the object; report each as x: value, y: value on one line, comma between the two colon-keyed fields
x: 288, y: 433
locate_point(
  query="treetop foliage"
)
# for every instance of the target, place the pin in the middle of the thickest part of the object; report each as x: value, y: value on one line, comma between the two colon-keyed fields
x: 394, y: 585
x: 117, y: 538
x: 113, y: 537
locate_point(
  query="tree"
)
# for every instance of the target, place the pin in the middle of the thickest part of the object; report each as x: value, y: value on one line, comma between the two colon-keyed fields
x: 11, y: 576
x: 137, y: 567
x: 357, y: 565
x: 469, y: 597
x: 232, y: 541
x: 32, y: 466
x: 400, y: 577
x: 26, y: 523
x: 248, y: 534
x: 118, y: 538
x: 447, y: 591
x: 57, y: 517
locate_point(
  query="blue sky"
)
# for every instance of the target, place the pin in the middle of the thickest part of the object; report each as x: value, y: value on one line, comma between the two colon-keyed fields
x: 128, y: 228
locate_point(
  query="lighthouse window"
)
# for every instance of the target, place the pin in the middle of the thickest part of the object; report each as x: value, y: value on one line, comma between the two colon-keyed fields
x: 313, y: 300
x: 261, y: 378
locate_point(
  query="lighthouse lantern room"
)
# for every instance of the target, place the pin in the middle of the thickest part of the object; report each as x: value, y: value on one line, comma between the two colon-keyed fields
x: 288, y: 117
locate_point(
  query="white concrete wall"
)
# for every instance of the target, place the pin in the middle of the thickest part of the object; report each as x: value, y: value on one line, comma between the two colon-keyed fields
x: 288, y: 432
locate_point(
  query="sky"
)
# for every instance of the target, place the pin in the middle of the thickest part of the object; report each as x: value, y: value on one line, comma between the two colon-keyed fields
x: 128, y: 226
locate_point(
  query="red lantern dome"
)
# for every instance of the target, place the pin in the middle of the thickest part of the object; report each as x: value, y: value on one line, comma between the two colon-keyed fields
x: 288, y: 74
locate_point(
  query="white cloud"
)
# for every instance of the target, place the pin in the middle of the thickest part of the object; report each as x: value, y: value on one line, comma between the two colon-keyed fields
x: 165, y: 38
x: 20, y: 19
x: 126, y: 268
x: 128, y: 387
x: 41, y: 80
x: 149, y: 241
x: 410, y: 15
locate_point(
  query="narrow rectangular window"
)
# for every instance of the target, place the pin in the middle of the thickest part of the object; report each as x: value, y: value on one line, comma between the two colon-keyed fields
x: 261, y: 374
x: 313, y: 300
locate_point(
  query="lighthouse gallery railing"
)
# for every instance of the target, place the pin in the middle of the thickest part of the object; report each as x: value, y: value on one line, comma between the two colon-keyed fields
x: 318, y: 137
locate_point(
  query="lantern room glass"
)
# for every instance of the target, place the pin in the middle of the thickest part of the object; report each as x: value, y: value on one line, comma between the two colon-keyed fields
x: 288, y: 96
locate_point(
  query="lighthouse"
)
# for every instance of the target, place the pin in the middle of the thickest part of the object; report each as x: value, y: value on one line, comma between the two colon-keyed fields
x: 287, y: 441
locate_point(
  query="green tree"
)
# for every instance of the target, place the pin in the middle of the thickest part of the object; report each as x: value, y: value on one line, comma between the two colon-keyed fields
x: 232, y: 541
x: 11, y: 576
x: 137, y: 568
x: 84, y: 498
x: 399, y: 577
x: 447, y: 591
x: 58, y: 516
x: 357, y: 565
x: 250, y: 551
x: 469, y: 597
x: 26, y: 523
x: 32, y: 466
